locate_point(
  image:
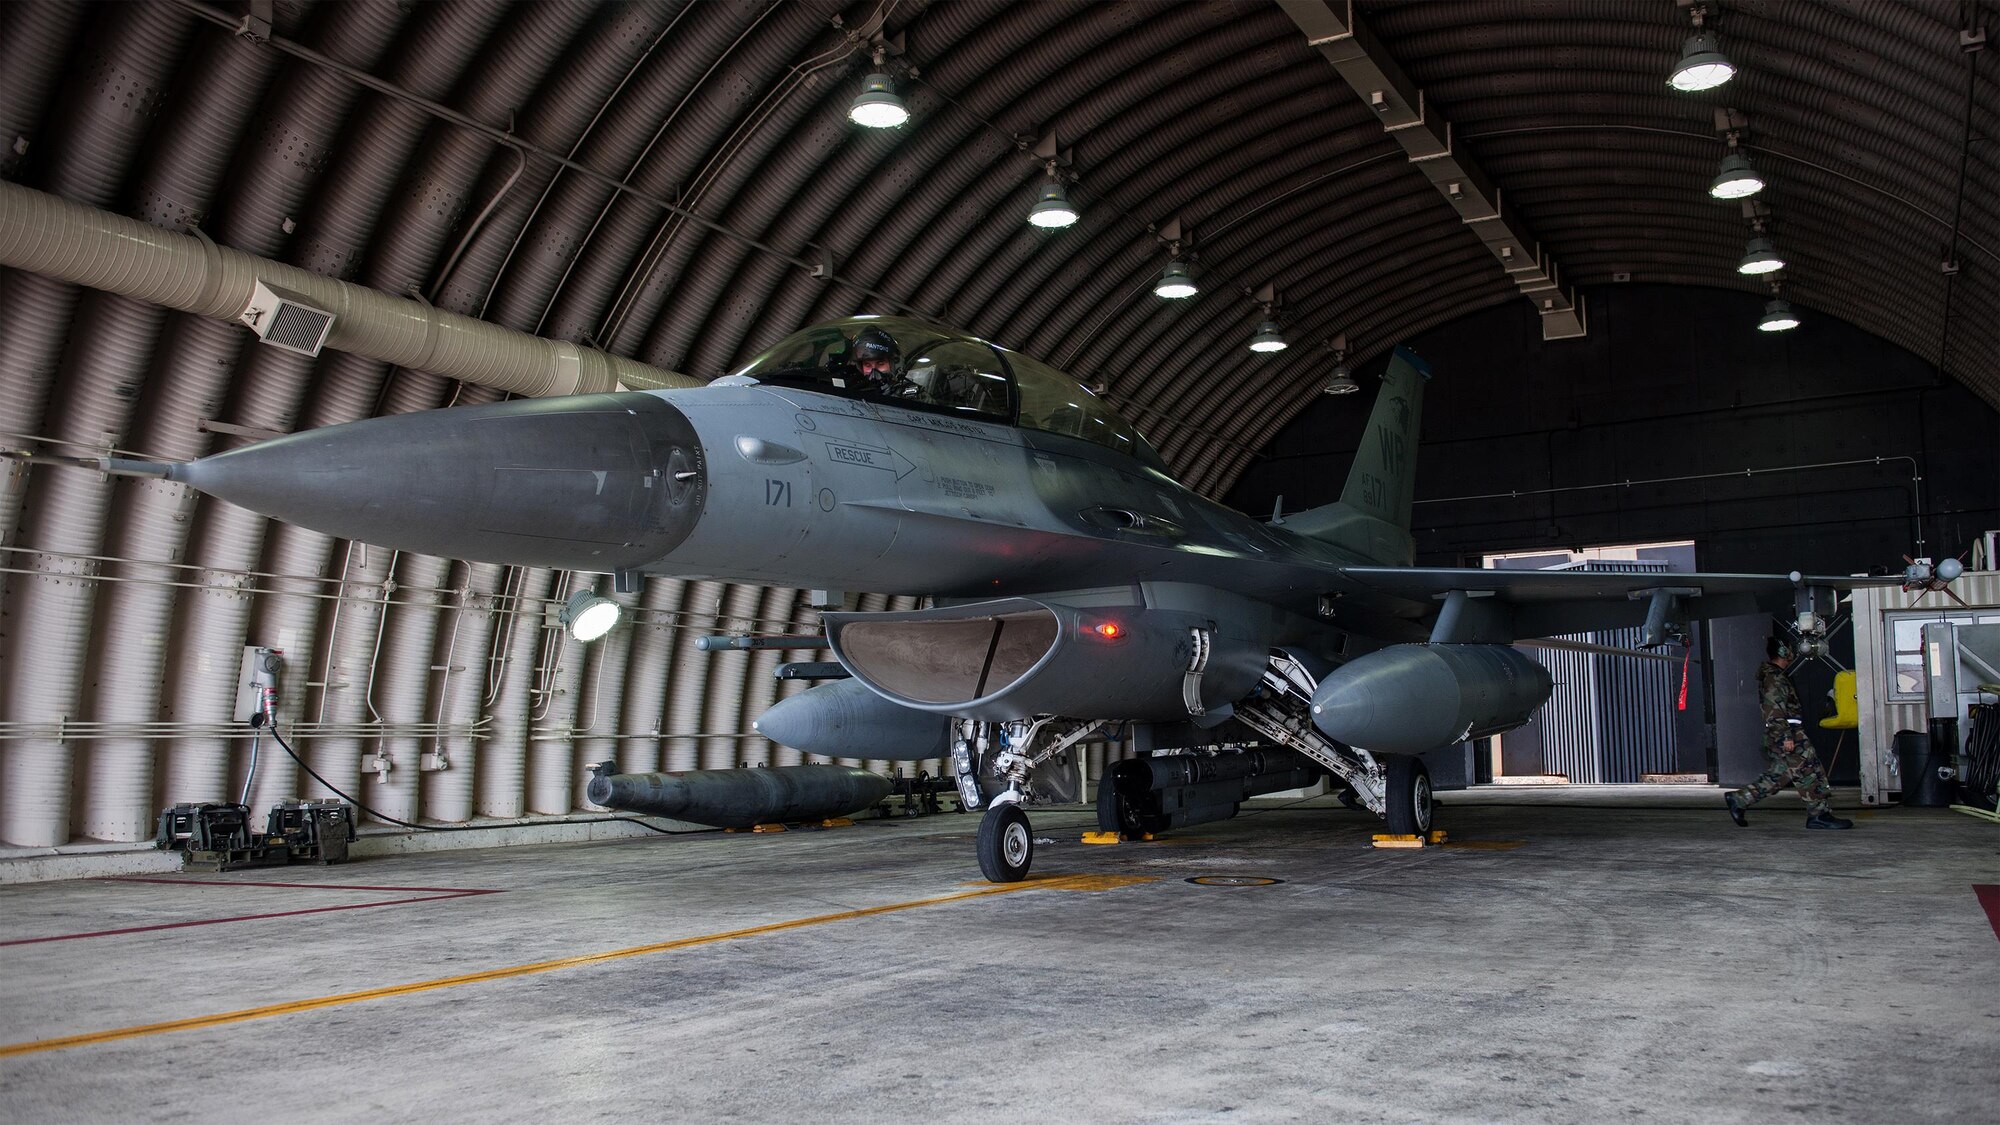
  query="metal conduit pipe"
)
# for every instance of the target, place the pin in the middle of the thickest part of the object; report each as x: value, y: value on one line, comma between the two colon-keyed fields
x: 851, y: 200
x: 415, y: 227
x: 648, y: 668
x: 692, y: 667
x: 33, y: 42
x: 1144, y: 122
x: 570, y: 104
x: 105, y: 342
x: 760, y: 682
x: 967, y: 170
x: 1135, y: 325
x: 72, y: 242
x: 462, y: 657
x: 503, y: 758
x: 601, y: 701
x: 348, y: 667
x: 588, y: 301
x: 762, y: 193
x: 53, y: 610
x: 1133, y: 339
x: 1298, y: 124
x: 1386, y: 215
x: 619, y: 134
x: 192, y: 369
x: 722, y: 700
x: 551, y: 761
x: 720, y: 151
x: 1175, y: 113
x: 400, y: 680
x: 1211, y: 462
x: 1161, y: 343
x: 1468, y: 288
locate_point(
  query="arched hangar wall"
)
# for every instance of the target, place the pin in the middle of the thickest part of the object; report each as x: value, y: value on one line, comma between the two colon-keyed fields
x: 1673, y: 381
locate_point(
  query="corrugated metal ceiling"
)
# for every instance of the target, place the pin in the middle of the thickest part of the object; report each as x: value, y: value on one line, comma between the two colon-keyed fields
x: 1217, y: 113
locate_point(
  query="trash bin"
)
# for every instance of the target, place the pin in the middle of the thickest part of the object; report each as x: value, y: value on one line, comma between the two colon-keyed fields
x: 1922, y: 787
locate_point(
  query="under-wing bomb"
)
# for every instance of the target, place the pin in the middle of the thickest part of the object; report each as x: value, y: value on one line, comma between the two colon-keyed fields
x: 1406, y: 699
x: 1176, y: 790
x: 742, y: 798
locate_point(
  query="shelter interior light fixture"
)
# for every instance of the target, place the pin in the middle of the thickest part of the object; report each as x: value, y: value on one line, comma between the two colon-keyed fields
x: 1703, y: 66
x: 1341, y: 382
x: 877, y: 106
x: 589, y: 615
x: 1737, y: 178
x: 1268, y: 338
x: 1760, y: 257
x: 1778, y: 316
x: 1052, y: 209
x: 1175, y: 282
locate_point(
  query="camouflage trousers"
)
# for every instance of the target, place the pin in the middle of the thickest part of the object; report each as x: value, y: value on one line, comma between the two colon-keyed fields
x: 1798, y: 767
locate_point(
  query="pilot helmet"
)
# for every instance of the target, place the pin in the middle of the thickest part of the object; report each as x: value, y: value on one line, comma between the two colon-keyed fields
x: 874, y: 343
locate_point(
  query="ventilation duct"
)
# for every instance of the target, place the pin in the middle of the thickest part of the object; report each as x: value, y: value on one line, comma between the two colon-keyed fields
x: 72, y: 242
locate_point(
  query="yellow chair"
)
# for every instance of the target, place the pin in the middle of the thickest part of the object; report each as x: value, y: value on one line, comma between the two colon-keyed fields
x: 1846, y: 707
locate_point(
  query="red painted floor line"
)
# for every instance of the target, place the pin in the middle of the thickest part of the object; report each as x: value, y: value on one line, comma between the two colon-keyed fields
x: 1989, y: 897
x: 310, y: 886
x: 448, y: 894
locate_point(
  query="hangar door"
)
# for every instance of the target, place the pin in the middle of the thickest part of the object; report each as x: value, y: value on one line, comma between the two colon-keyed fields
x: 1612, y: 719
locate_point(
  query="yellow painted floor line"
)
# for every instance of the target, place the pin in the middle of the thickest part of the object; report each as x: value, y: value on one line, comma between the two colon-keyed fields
x: 1082, y: 882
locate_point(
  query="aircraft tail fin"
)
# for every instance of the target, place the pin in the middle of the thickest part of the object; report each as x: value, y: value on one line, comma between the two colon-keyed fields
x: 1373, y: 514
x: 1383, y: 481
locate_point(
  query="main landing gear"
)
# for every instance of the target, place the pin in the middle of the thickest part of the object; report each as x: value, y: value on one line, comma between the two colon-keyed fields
x: 1406, y: 802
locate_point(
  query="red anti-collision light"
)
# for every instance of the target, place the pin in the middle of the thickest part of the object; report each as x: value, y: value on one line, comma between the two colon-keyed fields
x: 1109, y: 630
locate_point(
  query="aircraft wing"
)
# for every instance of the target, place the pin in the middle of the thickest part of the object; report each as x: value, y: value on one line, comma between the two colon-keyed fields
x: 1500, y: 606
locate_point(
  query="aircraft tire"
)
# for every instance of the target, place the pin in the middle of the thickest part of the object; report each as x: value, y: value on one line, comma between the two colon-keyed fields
x: 1408, y: 805
x: 1115, y: 812
x: 1006, y: 844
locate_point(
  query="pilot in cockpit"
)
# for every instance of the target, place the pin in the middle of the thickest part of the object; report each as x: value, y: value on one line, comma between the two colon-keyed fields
x: 875, y: 357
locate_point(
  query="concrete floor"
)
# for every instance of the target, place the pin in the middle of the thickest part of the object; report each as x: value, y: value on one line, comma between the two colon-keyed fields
x: 1578, y: 960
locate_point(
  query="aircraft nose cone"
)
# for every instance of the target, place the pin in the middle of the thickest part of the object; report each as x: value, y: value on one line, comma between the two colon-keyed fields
x: 589, y: 482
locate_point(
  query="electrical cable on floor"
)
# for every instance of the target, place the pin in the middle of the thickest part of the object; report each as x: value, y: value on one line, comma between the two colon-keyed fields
x: 336, y: 791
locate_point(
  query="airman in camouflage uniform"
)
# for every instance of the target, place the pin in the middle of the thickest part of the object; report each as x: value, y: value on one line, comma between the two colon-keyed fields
x: 1791, y: 755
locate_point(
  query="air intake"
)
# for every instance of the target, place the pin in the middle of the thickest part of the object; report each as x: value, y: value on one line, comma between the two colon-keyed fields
x: 284, y: 319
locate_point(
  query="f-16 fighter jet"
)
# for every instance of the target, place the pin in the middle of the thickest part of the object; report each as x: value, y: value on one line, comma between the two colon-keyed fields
x: 1074, y: 587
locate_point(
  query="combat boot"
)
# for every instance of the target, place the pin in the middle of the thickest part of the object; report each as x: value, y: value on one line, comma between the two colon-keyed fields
x: 1827, y: 820
x: 1735, y: 810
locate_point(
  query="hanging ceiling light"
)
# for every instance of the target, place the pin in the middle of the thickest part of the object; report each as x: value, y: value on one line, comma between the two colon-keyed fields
x: 1342, y: 382
x: 1176, y: 282
x: 1736, y: 179
x: 1052, y: 210
x: 589, y: 615
x: 1778, y: 317
x: 1703, y: 66
x: 1268, y: 338
x: 877, y: 105
x: 1761, y: 256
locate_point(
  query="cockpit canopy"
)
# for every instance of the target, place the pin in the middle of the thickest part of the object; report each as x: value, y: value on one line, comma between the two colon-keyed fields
x: 908, y: 362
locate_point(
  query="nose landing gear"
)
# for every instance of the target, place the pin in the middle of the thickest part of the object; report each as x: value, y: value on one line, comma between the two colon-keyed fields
x: 1006, y: 844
